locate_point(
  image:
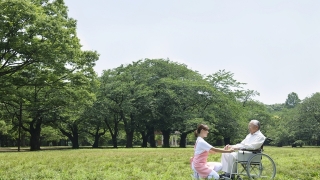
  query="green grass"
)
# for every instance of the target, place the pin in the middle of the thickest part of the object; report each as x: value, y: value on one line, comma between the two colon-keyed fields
x: 139, y: 163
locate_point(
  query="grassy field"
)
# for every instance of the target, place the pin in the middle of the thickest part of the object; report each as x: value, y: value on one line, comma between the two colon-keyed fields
x: 139, y: 163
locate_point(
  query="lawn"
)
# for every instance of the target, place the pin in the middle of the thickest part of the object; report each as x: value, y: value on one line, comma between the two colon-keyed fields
x: 139, y: 163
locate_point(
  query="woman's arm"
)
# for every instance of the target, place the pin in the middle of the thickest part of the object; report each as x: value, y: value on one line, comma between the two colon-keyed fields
x: 222, y: 150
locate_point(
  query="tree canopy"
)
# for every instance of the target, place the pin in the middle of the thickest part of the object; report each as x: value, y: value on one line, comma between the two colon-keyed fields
x: 51, y: 93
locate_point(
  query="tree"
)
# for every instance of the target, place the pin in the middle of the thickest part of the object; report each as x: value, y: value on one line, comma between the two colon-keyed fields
x: 35, y: 31
x: 175, y: 90
x: 308, y: 123
x: 229, y: 110
x: 194, y: 99
x: 40, y: 55
x: 110, y: 99
x: 292, y: 100
x: 257, y: 110
x: 77, y: 95
x: 50, y: 135
x: 94, y: 123
x: 134, y: 95
x: 189, y: 126
x: 152, y: 95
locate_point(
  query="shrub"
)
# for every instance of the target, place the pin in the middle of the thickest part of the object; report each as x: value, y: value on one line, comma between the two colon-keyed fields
x: 297, y: 143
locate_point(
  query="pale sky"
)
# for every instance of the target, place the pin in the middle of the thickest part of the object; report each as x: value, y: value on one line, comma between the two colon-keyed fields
x: 272, y: 45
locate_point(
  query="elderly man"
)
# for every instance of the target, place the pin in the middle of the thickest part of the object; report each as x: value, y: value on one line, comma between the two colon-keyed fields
x: 253, y: 140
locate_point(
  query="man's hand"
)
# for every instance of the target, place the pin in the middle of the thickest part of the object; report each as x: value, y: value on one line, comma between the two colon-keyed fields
x: 226, y: 147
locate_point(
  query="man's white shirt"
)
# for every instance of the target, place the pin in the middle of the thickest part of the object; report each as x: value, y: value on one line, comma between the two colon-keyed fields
x: 252, y: 141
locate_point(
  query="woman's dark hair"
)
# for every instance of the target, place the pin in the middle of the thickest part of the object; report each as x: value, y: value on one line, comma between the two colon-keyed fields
x: 200, y: 127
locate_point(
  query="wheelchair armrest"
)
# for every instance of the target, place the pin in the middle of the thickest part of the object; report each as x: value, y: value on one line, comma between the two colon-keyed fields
x: 252, y: 150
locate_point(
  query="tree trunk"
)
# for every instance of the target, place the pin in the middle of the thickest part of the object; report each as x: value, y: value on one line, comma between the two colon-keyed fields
x: 97, y: 137
x: 96, y: 141
x: 166, y: 138
x: 73, y: 136
x: 144, y: 139
x: 183, y: 140
x: 129, y: 128
x: 151, y: 137
x: 75, y: 142
x: 1, y: 140
x: 115, y: 131
x: 114, y: 141
x: 23, y: 140
x: 75, y: 139
x: 35, y: 135
x: 219, y: 142
x: 129, y: 135
x: 34, y: 141
x: 20, y: 124
x: 226, y: 141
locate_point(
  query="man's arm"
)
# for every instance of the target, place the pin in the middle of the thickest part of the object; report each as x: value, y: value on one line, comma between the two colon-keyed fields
x: 236, y: 146
x: 256, y: 144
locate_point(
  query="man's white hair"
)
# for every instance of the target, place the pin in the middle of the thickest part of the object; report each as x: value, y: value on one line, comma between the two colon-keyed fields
x: 256, y: 123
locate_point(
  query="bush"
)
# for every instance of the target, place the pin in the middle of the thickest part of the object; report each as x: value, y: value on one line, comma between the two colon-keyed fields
x: 297, y: 143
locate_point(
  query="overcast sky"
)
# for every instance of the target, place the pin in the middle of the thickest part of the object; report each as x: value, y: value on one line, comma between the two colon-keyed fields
x: 272, y: 45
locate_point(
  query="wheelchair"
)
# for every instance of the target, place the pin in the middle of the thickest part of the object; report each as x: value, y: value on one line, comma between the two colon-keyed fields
x: 250, y: 164
x: 253, y: 164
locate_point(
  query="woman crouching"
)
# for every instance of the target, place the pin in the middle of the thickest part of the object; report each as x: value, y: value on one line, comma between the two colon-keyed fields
x: 201, y: 150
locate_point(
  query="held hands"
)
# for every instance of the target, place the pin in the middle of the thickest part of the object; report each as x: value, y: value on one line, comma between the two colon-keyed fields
x: 229, y: 148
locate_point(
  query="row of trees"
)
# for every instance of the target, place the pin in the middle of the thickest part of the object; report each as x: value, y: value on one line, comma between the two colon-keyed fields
x: 296, y: 120
x: 144, y: 97
x: 51, y: 92
x: 159, y: 95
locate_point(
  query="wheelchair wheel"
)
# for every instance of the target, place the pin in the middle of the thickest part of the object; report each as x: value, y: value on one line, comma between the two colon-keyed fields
x: 261, y: 166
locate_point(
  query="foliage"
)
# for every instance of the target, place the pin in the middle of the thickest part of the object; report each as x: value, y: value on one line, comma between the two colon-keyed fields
x: 49, y: 85
x: 297, y: 143
x: 233, y: 110
x: 51, y: 134
x: 295, y: 121
x: 43, y: 70
x: 34, y: 31
x: 154, y: 94
x: 292, y: 100
x: 308, y: 121
x: 3, y: 127
x: 282, y: 129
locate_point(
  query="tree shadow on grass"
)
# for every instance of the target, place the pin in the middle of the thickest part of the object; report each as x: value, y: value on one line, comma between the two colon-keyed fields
x: 27, y: 149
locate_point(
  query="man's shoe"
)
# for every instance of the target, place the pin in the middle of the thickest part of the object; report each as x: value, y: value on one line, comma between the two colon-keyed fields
x: 226, y: 176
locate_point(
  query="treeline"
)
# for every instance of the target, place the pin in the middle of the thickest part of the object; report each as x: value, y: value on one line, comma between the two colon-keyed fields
x: 296, y: 122
x: 52, y: 95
